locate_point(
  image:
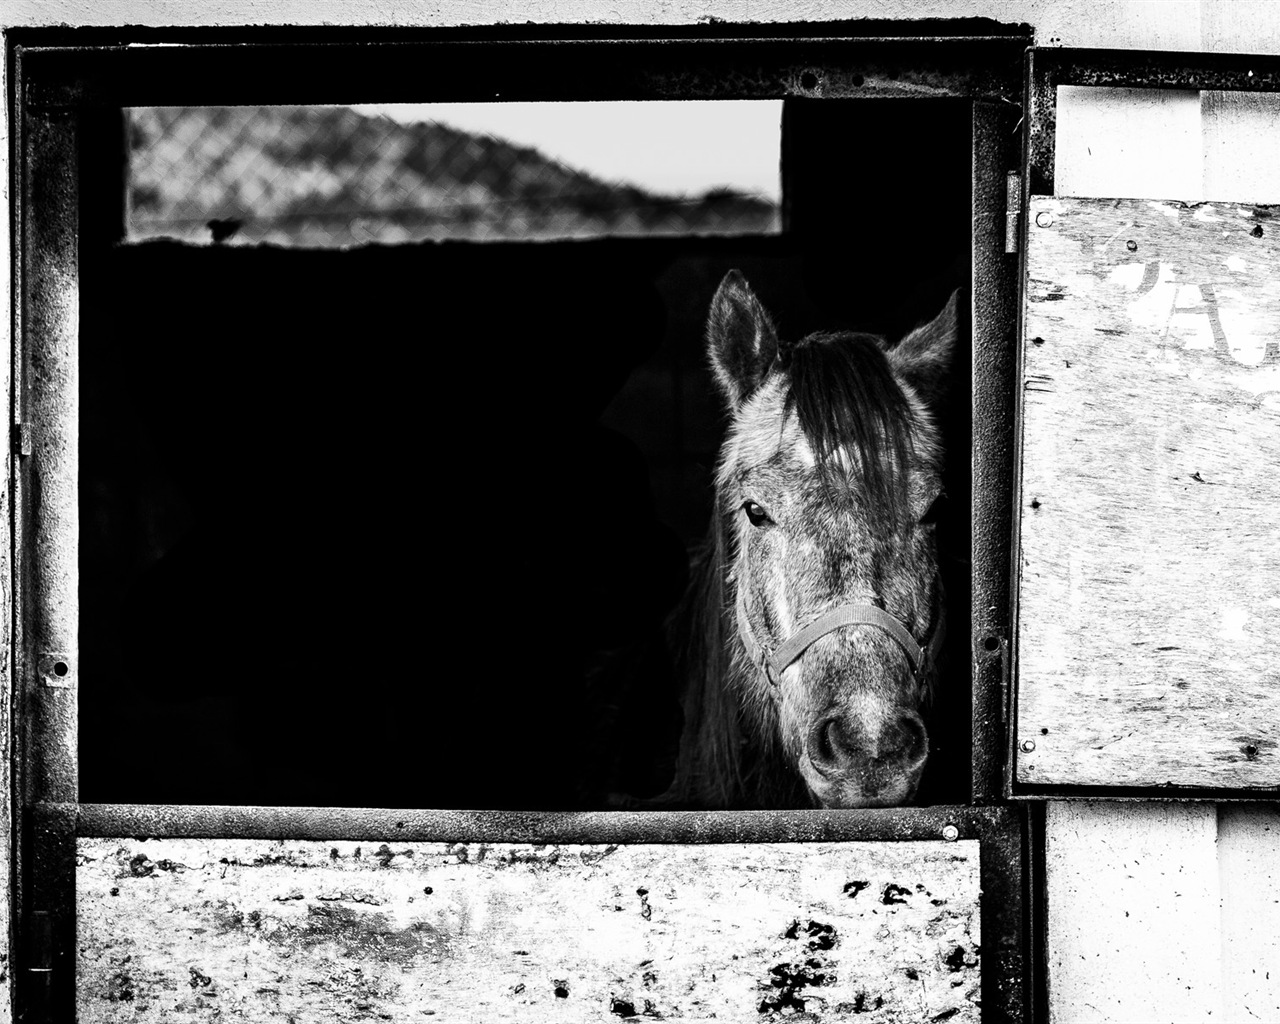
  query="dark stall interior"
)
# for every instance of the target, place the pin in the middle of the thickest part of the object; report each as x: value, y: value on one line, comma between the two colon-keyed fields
x: 398, y: 526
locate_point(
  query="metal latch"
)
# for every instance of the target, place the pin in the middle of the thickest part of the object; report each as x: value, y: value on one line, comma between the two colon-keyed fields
x: 1012, y: 210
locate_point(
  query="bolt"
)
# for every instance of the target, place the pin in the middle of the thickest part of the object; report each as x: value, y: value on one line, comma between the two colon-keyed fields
x: 1028, y: 746
x: 1044, y: 219
x: 950, y: 833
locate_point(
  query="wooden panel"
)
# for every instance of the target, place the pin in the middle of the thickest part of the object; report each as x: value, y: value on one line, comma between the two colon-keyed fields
x: 1149, y: 591
x: 180, y: 930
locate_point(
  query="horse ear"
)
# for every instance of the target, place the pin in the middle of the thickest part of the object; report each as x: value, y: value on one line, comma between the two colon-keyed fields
x: 741, y: 341
x: 923, y: 357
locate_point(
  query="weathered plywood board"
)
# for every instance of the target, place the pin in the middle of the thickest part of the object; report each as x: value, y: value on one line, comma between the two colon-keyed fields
x: 180, y: 930
x: 1149, y: 590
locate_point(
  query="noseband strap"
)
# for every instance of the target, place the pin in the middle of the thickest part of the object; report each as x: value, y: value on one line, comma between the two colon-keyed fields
x: 791, y: 649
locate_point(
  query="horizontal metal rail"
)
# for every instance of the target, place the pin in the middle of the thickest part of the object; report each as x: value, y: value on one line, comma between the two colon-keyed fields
x: 904, y: 824
x: 443, y: 69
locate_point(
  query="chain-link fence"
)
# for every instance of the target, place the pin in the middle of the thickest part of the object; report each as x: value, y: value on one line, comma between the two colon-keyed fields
x: 331, y: 176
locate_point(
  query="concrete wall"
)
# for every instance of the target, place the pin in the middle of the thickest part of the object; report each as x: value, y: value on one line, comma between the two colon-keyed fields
x: 1133, y: 887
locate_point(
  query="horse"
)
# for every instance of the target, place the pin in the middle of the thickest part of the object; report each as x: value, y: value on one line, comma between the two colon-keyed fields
x: 810, y: 632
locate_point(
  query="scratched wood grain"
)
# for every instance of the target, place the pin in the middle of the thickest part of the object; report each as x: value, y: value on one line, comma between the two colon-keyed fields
x: 1149, y: 591
x: 184, y: 930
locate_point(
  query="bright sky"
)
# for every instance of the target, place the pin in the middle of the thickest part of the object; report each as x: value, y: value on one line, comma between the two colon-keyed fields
x: 665, y: 146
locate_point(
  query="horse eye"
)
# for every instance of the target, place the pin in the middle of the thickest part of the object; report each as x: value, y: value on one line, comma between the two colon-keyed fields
x: 755, y: 513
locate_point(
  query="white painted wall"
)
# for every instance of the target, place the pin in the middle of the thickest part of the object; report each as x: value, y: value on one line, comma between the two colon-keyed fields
x: 1168, y: 144
x: 1163, y: 912
x: 1199, y: 886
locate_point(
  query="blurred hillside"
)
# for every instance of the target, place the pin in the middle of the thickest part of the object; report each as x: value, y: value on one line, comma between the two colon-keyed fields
x: 328, y: 176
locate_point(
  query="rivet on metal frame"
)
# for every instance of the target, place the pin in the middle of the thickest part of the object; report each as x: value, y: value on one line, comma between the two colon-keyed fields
x: 1044, y: 219
x: 950, y: 833
x: 57, y: 668
x: 1028, y: 745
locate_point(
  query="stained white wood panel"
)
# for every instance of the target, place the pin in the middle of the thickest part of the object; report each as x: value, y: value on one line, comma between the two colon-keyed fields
x: 1163, y: 912
x: 1241, y: 146
x: 1125, y: 143
x: 1149, y: 579
x: 255, y: 931
x: 1167, y: 144
x: 1133, y: 913
x: 1249, y: 880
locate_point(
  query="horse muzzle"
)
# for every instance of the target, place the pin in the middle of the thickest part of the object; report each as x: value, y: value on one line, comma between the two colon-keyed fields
x: 846, y: 764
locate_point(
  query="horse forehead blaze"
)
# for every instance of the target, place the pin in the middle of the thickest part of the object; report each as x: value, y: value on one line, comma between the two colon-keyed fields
x: 767, y: 443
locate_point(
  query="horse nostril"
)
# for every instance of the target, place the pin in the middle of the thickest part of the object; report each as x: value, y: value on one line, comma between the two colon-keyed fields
x: 836, y: 745
x: 913, y: 741
x: 828, y: 746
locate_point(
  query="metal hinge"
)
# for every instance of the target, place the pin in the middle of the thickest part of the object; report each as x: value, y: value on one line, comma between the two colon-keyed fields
x: 1012, y: 210
x: 21, y: 439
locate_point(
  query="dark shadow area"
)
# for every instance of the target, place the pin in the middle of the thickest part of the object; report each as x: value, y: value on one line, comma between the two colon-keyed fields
x: 377, y: 527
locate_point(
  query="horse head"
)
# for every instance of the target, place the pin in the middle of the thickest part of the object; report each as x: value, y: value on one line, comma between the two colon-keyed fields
x: 830, y: 467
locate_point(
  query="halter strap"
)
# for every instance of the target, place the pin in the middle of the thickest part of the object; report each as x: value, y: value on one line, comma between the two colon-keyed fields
x: 861, y: 614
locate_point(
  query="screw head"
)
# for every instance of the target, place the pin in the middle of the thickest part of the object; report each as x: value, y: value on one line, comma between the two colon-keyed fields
x: 950, y: 833
x: 1027, y: 746
x: 1044, y: 219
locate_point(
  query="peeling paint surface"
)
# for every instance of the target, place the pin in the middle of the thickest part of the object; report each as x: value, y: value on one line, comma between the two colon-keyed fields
x: 181, y: 930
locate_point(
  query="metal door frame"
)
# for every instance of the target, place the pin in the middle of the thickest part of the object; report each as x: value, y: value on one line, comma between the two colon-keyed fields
x: 61, y: 74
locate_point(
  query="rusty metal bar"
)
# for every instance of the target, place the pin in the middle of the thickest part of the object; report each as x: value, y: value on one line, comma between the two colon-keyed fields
x: 10, y: 594
x: 994, y: 310
x: 906, y: 824
x: 1041, y: 124
x: 47, y: 398
x: 1008, y: 967
x: 540, y: 69
x: 1160, y: 69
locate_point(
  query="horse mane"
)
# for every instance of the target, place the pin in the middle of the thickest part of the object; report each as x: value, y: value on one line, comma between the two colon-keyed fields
x: 844, y: 393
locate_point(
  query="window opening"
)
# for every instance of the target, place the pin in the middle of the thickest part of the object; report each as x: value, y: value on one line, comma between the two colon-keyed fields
x: 359, y: 523
x: 334, y: 176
